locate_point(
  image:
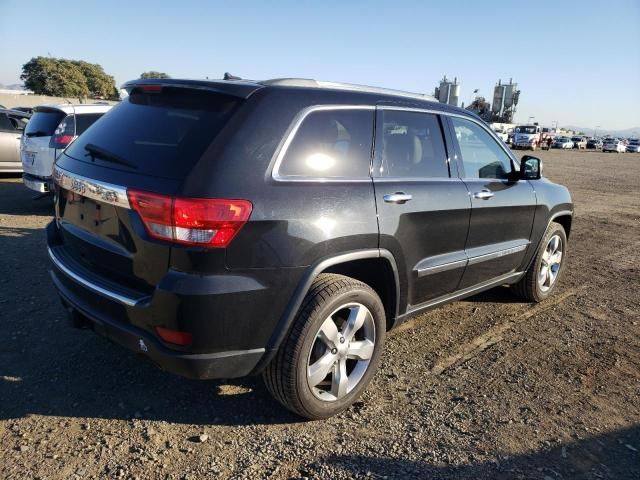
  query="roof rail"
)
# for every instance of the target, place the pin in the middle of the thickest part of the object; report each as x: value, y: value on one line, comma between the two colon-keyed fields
x: 310, y: 83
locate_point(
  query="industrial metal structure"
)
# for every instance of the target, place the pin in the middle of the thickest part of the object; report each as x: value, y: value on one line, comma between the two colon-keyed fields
x: 505, y: 100
x: 448, y: 91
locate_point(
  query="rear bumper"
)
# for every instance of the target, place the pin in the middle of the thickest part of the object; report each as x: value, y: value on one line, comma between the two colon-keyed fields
x: 230, y: 335
x: 37, y: 184
x: 227, y: 364
x: 11, y: 167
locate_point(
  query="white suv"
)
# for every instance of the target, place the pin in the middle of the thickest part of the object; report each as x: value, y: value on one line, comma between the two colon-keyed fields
x: 49, y: 131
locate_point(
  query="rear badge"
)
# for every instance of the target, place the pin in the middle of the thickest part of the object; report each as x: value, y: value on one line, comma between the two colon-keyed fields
x: 143, y: 346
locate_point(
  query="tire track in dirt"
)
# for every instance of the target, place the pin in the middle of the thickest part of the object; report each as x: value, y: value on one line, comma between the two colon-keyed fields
x: 492, y: 336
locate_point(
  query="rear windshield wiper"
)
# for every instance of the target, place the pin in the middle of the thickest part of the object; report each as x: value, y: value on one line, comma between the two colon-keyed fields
x: 37, y: 133
x: 98, y: 152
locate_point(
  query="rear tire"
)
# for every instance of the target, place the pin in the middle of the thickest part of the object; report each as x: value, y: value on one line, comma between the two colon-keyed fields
x: 541, y: 280
x: 332, y: 350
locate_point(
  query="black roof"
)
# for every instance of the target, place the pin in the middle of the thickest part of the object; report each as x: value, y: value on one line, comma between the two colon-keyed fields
x: 244, y: 89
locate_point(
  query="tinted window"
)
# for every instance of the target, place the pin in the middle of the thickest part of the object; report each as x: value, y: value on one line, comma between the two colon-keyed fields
x: 19, y: 122
x: 43, y: 123
x: 331, y: 143
x: 5, y: 123
x: 162, y: 133
x: 411, y: 145
x: 482, y: 157
x: 85, y: 120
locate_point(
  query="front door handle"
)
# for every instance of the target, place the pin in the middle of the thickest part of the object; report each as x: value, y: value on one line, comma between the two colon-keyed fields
x: 483, y: 195
x: 398, y: 197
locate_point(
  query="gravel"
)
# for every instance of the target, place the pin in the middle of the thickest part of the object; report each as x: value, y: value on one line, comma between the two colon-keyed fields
x: 484, y: 388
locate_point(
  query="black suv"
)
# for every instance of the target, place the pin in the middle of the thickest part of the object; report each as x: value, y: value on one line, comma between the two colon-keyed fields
x: 229, y: 228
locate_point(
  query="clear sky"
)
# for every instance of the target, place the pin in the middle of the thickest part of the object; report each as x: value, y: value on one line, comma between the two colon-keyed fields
x: 577, y: 62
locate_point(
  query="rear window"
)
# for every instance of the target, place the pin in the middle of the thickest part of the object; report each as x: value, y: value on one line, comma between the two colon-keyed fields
x: 85, y: 120
x: 43, y: 123
x: 161, y: 133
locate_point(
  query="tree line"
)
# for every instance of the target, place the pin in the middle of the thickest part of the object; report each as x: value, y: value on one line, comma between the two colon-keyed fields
x: 60, y: 77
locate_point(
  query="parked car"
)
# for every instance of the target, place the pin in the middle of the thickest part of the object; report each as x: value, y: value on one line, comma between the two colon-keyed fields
x: 50, y: 131
x: 594, y: 144
x: 562, y: 142
x: 579, y: 142
x: 502, y: 134
x: 28, y: 110
x: 12, y: 125
x: 613, y: 145
x: 228, y: 228
x: 634, y: 145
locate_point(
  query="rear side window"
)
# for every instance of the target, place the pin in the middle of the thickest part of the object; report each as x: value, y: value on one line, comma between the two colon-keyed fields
x: 331, y: 144
x: 43, y: 123
x: 161, y: 133
x: 410, y: 144
x: 85, y: 120
x: 5, y: 123
x: 18, y: 121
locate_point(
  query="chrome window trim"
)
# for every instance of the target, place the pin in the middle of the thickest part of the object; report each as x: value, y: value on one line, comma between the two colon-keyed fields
x: 290, y: 135
x: 94, y: 189
x: 377, y: 175
x: 299, y: 118
x: 128, y: 301
x: 491, y: 133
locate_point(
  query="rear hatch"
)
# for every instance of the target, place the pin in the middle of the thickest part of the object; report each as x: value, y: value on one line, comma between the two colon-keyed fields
x: 36, y: 155
x: 147, y: 143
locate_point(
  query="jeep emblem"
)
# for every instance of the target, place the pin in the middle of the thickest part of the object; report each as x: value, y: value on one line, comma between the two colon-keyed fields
x: 143, y: 346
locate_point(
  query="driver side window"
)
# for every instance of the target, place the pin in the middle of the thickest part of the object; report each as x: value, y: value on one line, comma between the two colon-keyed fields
x: 482, y: 157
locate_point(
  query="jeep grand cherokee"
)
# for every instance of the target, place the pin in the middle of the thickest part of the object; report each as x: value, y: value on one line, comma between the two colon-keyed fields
x: 282, y: 227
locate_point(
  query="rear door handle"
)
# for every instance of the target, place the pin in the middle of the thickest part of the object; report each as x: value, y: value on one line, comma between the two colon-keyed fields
x: 398, y: 197
x: 483, y: 195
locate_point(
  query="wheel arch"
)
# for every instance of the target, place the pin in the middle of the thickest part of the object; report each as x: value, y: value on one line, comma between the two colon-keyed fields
x: 375, y: 267
x: 564, y: 218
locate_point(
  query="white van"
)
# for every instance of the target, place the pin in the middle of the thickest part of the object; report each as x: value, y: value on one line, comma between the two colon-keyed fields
x: 49, y: 131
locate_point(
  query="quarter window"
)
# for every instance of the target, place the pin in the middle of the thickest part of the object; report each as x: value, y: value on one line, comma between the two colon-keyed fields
x: 482, y: 157
x: 85, y: 120
x: 410, y: 145
x: 331, y: 143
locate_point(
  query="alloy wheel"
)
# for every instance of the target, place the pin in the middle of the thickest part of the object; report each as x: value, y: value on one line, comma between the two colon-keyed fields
x: 550, y: 263
x: 341, y: 352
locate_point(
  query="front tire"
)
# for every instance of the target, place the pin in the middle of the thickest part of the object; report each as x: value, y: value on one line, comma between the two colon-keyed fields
x: 332, y: 350
x: 540, y: 281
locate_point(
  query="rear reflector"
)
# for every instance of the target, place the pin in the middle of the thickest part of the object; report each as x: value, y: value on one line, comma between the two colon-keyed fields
x: 204, y: 222
x: 174, y: 336
x: 151, y: 88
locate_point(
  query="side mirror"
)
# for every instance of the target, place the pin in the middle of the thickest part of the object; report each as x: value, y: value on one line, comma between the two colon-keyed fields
x: 530, y: 168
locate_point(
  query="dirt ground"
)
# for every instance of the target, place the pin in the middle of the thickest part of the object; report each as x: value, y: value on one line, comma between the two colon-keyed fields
x: 489, y: 387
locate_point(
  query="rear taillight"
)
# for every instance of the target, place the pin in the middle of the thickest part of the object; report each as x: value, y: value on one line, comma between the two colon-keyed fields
x: 174, y: 336
x: 204, y: 222
x: 64, y: 133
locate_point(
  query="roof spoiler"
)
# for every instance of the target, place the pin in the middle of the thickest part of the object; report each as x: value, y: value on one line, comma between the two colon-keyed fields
x: 234, y: 88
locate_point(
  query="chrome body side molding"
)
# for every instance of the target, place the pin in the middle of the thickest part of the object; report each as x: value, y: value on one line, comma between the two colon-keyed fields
x: 460, y: 259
